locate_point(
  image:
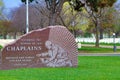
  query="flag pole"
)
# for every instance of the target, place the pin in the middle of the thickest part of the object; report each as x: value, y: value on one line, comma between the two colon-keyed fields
x: 27, y: 17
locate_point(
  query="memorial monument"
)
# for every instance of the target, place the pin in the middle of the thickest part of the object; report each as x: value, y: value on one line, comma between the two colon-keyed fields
x: 53, y: 46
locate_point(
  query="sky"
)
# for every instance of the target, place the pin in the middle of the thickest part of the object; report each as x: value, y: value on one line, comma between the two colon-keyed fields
x: 15, y: 3
x: 118, y: 1
x: 12, y: 3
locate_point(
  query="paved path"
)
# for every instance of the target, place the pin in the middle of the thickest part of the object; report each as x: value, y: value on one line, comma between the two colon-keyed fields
x: 103, y: 46
x: 4, y: 42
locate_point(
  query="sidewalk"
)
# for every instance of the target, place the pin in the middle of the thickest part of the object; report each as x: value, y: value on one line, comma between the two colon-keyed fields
x: 4, y: 42
x: 103, y: 46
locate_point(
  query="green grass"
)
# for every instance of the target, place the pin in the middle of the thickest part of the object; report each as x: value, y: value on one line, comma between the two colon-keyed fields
x: 1, y: 47
x: 86, y: 49
x: 89, y: 68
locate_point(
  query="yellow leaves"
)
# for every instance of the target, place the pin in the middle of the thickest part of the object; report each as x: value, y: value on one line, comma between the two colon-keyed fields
x: 107, y: 20
x: 74, y: 28
x: 104, y: 1
x: 106, y: 25
x: 68, y: 9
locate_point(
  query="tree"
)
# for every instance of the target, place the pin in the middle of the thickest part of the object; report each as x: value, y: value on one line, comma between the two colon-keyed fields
x: 54, y: 7
x: 1, y: 9
x: 5, y: 24
x: 28, y: 0
x: 5, y: 28
x: 116, y: 29
x: 36, y: 19
x: 73, y: 20
x: 68, y: 17
x: 107, y: 21
x: 116, y: 15
x: 94, y: 9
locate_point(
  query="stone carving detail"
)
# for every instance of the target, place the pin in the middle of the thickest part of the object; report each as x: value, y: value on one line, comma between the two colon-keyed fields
x: 55, y: 56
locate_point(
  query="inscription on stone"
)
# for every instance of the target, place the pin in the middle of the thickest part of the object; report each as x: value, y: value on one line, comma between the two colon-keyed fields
x: 53, y: 46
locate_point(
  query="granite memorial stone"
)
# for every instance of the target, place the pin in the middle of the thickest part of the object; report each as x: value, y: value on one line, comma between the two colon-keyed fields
x: 53, y: 46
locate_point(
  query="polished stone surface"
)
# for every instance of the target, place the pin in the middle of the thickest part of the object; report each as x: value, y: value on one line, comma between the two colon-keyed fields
x: 53, y: 46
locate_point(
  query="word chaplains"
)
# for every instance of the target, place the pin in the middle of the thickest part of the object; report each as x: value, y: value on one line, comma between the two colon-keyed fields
x: 23, y: 48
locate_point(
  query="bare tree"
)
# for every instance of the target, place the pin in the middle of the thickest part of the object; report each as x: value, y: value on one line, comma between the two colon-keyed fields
x: 54, y: 7
x: 37, y: 20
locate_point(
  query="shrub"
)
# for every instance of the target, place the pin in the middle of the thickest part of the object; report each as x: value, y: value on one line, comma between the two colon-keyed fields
x: 1, y: 47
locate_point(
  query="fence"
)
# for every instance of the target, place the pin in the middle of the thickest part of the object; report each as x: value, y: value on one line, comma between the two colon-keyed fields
x: 93, y: 40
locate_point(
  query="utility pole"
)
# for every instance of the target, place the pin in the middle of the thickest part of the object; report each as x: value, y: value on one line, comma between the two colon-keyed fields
x: 27, y: 17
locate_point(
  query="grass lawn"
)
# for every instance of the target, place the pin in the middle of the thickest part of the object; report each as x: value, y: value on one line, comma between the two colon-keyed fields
x: 89, y: 68
x: 86, y: 49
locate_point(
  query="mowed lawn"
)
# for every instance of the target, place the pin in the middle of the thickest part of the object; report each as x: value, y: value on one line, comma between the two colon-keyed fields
x: 88, y: 49
x: 89, y: 68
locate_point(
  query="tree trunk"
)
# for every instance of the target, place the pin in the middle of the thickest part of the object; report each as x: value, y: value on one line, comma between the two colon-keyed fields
x: 101, y: 33
x: 5, y: 36
x: 75, y: 33
x: 55, y: 7
x: 53, y: 13
x: 117, y: 33
x: 108, y: 33
x: 52, y: 19
x: 97, y: 33
x: 97, y: 38
x: 15, y: 34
